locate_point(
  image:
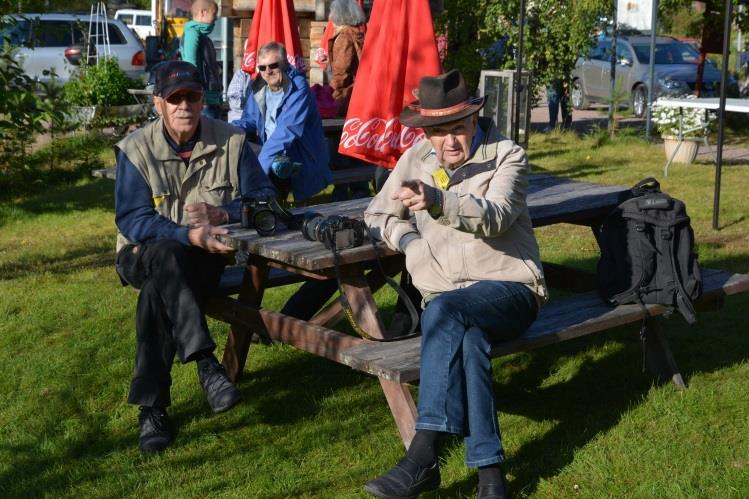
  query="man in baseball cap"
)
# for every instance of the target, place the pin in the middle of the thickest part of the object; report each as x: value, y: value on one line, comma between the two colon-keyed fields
x: 178, y: 180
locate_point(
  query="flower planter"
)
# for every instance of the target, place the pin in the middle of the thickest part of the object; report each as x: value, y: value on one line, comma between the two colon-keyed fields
x: 687, y: 152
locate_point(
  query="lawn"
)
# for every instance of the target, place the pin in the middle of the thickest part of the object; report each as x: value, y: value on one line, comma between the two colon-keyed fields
x: 579, y: 420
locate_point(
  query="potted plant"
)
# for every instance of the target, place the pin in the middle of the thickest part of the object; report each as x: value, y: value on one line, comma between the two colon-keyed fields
x: 99, y: 94
x: 693, y: 124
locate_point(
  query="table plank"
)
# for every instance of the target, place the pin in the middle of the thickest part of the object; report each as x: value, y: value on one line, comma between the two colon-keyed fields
x: 550, y: 199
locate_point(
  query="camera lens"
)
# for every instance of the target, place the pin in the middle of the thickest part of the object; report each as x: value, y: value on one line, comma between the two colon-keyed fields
x: 265, y: 222
x: 310, y: 225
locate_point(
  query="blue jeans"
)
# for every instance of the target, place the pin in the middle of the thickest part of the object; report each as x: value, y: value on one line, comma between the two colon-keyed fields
x: 557, y: 98
x: 457, y: 331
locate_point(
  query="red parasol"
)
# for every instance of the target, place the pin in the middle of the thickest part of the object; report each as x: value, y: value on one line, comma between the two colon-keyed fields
x: 273, y: 21
x: 399, y: 49
x: 321, y: 54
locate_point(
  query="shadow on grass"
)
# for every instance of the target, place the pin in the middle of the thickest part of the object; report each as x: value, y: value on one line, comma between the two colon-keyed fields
x: 96, y: 194
x: 89, y: 256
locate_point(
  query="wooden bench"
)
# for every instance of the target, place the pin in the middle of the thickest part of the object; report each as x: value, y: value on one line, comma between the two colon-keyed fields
x: 560, y: 320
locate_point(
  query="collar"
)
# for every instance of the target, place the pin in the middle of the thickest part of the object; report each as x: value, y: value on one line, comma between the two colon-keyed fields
x: 181, y: 148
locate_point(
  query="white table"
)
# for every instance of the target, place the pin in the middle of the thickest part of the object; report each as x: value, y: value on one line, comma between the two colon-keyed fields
x: 708, y: 104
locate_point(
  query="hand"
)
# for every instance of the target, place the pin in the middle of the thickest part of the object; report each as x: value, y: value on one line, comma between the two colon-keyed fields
x: 203, y: 236
x: 283, y: 167
x: 206, y: 214
x: 416, y: 195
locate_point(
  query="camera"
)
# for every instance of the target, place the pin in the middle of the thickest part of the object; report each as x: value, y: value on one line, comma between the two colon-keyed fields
x: 336, y: 232
x: 260, y: 215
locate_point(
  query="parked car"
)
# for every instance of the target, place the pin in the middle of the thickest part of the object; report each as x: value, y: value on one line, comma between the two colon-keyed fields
x: 675, y: 72
x: 140, y: 21
x: 48, y: 42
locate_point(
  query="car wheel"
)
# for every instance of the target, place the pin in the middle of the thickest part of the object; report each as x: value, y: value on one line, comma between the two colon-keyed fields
x: 577, y: 96
x: 639, y: 101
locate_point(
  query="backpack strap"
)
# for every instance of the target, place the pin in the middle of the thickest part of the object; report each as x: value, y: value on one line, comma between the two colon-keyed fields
x: 683, y: 303
x: 645, y: 186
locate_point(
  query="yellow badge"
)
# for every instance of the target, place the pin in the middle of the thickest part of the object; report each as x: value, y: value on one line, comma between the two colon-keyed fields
x: 441, y: 178
x: 157, y: 200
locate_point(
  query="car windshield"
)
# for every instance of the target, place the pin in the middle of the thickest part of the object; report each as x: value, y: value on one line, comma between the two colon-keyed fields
x: 667, y: 53
x: 17, y: 31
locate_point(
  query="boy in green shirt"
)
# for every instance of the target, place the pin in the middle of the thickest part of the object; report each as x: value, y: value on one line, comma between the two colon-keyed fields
x: 198, y: 50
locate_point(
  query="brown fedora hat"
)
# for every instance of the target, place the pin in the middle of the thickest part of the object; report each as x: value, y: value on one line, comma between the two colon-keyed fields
x: 442, y: 99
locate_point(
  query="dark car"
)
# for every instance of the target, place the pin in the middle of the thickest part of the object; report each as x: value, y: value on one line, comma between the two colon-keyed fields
x: 675, y: 72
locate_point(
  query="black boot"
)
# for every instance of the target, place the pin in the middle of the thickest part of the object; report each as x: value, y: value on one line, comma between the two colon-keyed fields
x: 405, y: 480
x: 220, y: 392
x: 492, y: 483
x: 155, y: 429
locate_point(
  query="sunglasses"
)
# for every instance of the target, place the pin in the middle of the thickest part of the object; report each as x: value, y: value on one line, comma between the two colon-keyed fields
x: 191, y: 97
x: 273, y: 65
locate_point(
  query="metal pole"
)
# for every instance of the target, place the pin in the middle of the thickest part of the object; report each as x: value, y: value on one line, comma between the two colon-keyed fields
x: 519, y: 75
x: 722, y: 109
x: 651, y: 71
x: 612, y: 104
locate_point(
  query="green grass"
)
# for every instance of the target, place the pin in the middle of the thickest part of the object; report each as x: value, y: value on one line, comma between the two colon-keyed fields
x: 579, y: 419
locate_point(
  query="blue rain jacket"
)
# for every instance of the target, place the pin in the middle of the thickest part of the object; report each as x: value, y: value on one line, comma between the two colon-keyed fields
x: 298, y: 132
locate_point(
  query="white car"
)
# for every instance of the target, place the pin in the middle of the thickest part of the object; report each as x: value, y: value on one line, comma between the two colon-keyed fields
x: 49, y: 42
x: 140, y: 21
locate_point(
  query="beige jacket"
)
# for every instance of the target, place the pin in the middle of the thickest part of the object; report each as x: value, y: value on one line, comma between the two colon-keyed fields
x: 211, y: 175
x: 484, y: 232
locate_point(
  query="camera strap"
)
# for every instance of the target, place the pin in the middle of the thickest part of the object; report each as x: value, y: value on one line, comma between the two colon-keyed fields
x: 413, y: 315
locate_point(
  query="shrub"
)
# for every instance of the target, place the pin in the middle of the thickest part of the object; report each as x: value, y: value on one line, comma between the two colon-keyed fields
x: 102, y: 84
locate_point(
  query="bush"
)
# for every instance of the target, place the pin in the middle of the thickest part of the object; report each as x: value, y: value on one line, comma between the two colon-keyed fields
x: 103, y: 84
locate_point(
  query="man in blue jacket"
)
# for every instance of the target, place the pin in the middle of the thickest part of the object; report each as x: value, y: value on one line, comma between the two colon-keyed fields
x: 284, y: 118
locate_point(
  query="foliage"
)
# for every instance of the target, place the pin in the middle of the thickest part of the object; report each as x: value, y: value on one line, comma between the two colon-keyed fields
x: 101, y: 84
x: 556, y: 33
x: 693, y: 121
x: 27, y: 108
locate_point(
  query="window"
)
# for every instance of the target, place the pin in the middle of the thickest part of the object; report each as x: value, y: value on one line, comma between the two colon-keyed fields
x: 667, y: 53
x: 115, y: 35
x: 126, y: 18
x: 52, y: 33
x: 19, y: 32
x: 142, y: 20
x: 601, y: 52
x: 623, y: 52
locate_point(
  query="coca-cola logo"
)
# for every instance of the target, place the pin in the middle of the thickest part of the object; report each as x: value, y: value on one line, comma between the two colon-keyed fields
x: 248, y: 61
x: 379, y: 134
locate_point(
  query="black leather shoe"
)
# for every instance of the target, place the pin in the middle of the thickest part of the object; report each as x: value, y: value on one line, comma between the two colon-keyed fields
x: 155, y: 430
x: 493, y: 490
x: 405, y: 480
x: 220, y: 392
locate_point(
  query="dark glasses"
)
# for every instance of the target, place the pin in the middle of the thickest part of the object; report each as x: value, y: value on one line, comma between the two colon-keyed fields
x: 263, y: 67
x: 178, y: 97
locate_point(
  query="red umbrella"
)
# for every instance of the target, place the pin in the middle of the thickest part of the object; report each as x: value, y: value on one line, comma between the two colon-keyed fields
x: 321, y: 54
x: 273, y: 21
x: 399, y: 49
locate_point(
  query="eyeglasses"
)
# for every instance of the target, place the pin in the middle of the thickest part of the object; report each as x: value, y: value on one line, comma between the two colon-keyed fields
x: 263, y: 67
x: 191, y: 97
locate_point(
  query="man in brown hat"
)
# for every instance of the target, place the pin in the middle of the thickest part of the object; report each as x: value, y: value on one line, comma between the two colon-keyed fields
x: 455, y: 204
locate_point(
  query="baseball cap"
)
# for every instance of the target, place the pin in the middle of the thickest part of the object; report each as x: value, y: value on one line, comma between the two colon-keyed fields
x: 173, y: 76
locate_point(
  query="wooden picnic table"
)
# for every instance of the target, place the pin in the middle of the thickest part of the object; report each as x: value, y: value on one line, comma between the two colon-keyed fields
x: 551, y: 200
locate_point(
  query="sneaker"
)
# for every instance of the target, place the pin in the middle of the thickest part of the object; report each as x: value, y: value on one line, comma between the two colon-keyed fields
x: 220, y: 392
x: 155, y: 429
x: 405, y: 480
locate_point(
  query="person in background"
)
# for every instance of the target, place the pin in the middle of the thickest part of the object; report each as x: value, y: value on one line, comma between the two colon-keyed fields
x: 236, y: 94
x: 283, y: 118
x: 344, y: 49
x: 463, y: 186
x: 198, y: 49
x: 557, y: 97
x: 178, y: 179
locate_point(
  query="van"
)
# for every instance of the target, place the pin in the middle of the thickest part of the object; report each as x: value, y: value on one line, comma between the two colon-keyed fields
x: 140, y: 21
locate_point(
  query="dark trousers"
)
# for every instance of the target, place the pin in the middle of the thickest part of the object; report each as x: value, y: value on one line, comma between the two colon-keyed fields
x: 174, y: 281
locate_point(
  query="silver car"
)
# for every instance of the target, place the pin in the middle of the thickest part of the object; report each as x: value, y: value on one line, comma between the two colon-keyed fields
x: 675, y: 72
x: 47, y: 42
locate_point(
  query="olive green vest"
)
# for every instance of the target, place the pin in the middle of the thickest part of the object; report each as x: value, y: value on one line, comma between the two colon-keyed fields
x: 212, y: 174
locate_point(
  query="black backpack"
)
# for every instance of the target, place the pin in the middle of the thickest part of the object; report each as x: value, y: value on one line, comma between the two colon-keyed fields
x: 647, y: 252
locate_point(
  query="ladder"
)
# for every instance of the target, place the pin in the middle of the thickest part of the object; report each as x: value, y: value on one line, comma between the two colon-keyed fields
x: 98, y: 31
